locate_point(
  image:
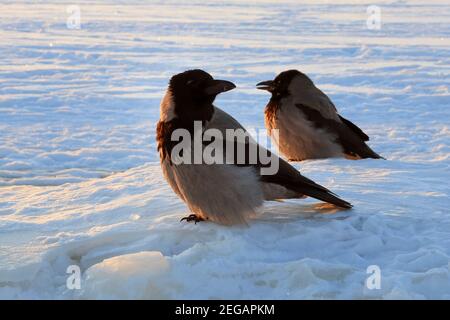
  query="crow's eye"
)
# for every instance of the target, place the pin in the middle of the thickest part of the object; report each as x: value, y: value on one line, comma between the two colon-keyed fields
x: 190, y: 82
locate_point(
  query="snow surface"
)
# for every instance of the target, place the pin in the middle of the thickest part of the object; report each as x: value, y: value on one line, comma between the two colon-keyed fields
x: 80, y: 181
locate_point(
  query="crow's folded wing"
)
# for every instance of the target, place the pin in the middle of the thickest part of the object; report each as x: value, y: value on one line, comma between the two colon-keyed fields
x: 286, y: 175
x: 355, y: 128
x: 350, y: 137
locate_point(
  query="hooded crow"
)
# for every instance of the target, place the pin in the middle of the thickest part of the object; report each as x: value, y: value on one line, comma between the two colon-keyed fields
x: 229, y: 192
x: 308, y: 122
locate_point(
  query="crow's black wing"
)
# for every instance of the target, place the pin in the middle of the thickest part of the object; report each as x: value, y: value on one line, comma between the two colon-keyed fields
x: 355, y: 128
x: 351, y: 141
x: 286, y: 175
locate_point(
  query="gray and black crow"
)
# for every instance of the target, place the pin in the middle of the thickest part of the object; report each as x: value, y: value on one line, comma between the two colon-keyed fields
x: 226, y: 193
x: 309, y: 126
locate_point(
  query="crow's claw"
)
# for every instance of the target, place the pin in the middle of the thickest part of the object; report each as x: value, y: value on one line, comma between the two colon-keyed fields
x: 192, y: 217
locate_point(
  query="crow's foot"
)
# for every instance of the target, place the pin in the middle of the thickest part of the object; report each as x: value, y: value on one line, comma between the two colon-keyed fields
x: 192, y: 217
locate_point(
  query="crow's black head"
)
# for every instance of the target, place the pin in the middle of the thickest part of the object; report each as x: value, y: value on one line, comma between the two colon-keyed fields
x: 279, y: 87
x: 196, y: 88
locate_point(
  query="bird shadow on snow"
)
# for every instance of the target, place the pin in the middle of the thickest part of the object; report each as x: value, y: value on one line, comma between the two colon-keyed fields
x: 285, y: 211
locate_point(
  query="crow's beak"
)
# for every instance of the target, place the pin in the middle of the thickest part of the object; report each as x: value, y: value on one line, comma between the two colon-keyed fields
x: 215, y: 87
x: 265, y: 85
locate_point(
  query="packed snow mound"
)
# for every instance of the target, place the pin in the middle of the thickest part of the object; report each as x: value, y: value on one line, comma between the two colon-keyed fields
x: 81, y: 185
x: 130, y: 276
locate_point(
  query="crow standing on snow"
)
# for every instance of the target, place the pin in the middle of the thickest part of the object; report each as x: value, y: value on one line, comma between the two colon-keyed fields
x: 308, y: 123
x: 224, y: 193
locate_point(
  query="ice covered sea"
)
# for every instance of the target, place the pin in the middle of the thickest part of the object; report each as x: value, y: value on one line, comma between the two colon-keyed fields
x: 80, y: 182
